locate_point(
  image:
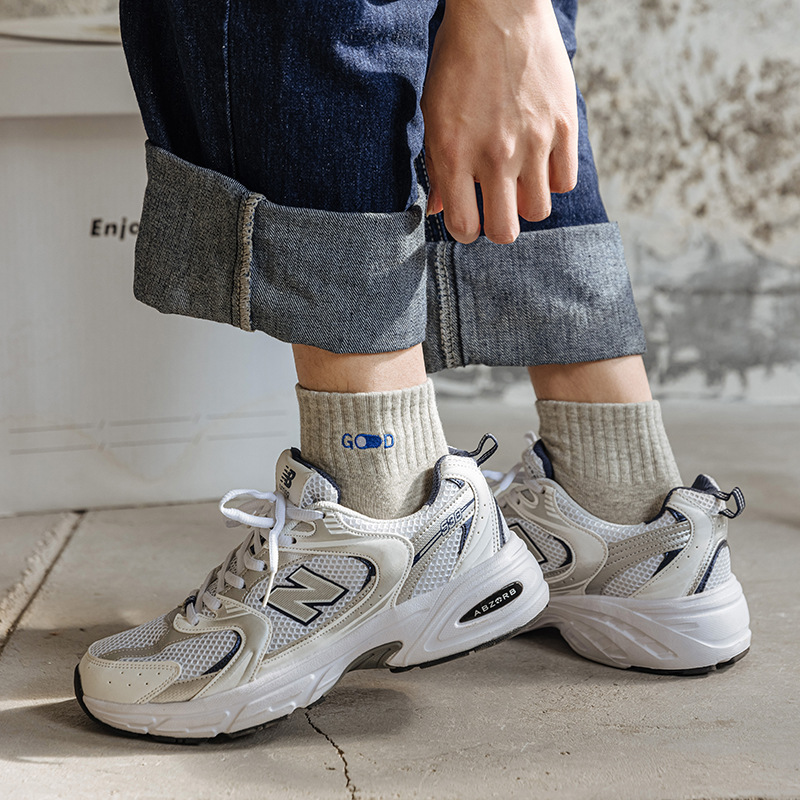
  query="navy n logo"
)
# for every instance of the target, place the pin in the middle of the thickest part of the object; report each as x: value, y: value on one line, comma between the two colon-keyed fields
x: 306, y: 590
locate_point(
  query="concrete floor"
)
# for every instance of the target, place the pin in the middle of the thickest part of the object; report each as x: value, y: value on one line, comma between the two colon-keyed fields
x: 522, y: 720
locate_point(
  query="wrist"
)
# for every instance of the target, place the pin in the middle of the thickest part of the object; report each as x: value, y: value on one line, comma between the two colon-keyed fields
x: 512, y: 18
x: 498, y: 7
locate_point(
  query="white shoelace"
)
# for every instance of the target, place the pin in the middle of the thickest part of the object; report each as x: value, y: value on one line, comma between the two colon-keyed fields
x: 500, y: 481
x: 264, y: 511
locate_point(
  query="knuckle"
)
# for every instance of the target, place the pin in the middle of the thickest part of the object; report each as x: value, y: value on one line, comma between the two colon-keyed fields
x: 499, y: 152
x: 540, y: 138
x: 566, y: 125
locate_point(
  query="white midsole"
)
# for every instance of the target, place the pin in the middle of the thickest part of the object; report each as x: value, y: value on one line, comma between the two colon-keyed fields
x: 683, y: 633
x: 427, y: 625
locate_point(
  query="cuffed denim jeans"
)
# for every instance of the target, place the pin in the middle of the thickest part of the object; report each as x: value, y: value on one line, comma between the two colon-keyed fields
x: 286, y: 193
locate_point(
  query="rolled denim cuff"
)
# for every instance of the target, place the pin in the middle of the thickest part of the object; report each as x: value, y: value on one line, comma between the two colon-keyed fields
x: 556, y: 296
x: 345, y: 282
x: 356, y: 282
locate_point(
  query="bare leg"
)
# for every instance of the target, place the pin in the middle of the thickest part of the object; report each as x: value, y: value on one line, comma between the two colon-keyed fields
x: 371, y: 422
x: 322, y: 371
x: 616, y: 380
x: 605, y: 437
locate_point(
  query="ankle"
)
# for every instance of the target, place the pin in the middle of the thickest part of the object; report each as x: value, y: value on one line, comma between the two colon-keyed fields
x: 380, y: 447
x: 614, y: 459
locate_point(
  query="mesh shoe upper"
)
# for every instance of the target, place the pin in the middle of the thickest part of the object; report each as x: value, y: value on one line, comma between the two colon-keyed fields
x: 307, y: 564
x: 579, y: 552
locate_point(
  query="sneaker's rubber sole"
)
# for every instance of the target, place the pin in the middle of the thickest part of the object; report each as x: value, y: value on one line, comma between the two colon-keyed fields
x: 685, y: 636
x: 255, y: 728
x: 421, y: 632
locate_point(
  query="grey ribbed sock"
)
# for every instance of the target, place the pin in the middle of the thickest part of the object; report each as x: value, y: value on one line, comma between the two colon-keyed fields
x: 614, y: 459
x: 380, y: 447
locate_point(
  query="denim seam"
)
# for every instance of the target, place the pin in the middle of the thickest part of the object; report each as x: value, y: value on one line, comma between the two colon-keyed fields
x: 228, y: 93
x: 554, y: 297
x: 448, y: 324
x: 458, y: 354
x: 241, y: 298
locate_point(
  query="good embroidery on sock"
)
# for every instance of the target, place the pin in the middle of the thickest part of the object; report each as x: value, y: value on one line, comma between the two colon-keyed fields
x: 367, y: 441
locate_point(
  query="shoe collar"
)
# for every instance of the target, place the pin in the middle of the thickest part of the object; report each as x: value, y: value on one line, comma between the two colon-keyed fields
x: 303, y: 483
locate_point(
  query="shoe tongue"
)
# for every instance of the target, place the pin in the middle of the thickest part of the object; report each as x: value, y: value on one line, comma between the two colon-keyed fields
x: 537, y: 461
x: 303, y: 483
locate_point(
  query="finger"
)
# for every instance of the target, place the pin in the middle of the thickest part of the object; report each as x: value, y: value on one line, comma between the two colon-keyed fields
x: 500, y: 217
x: 435, y: 204
x: 533, y: 192
x: 461, y: 216
x: 563, y: 169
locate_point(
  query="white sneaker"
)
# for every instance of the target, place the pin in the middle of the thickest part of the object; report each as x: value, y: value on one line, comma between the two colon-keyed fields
x: 315, y: 590
x: 658, y: 596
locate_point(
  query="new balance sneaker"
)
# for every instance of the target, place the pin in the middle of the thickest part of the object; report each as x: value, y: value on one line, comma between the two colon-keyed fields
x: 316, y: 590
x: 658, y: 596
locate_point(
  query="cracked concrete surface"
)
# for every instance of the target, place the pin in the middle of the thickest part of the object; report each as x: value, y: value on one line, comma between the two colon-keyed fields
x: 348, y: 781
x: 525, y: 719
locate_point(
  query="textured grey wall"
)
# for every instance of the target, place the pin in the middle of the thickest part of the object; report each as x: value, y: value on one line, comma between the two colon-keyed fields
x: 695, y: 118
x: 694, y: 114
x: 694, y: 109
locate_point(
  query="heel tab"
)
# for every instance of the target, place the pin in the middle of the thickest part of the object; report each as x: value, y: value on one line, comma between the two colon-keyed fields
x: 476, y: 454
x: 707, y: 485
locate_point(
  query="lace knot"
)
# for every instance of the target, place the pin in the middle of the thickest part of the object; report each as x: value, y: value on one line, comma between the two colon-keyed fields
x: 262, y: 511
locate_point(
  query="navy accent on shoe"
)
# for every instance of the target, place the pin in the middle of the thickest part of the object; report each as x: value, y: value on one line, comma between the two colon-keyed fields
x: 371, y: 571
x: 668, y: 558
x: 544, y: 457
x: 540, y: 557
x: 437, y: 479
x: 708, y: 488
x: 291, y: 582
x: 226, y: 658
x: 702, y: 585
x: 299, y: 458
x: 537, y: 551
x: 447, y: 526
x: 702, y: 483
x: 476, y: 453
x: 500, y: 523
x: 465, y: 528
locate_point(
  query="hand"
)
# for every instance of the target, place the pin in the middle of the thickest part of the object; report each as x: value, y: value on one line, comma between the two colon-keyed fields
x: 500, y: 109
